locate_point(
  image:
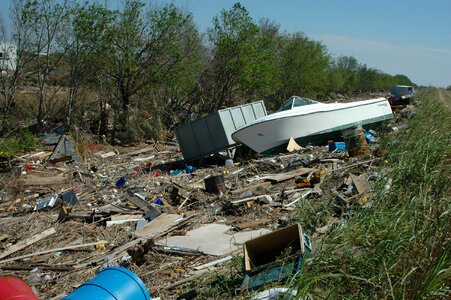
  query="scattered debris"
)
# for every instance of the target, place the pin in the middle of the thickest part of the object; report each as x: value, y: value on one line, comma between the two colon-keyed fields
x: 25, y: 243
x: 172, y: 221
x: 276, y: 293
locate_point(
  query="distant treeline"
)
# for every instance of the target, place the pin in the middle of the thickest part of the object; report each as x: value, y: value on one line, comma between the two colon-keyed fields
x: 136, y: 72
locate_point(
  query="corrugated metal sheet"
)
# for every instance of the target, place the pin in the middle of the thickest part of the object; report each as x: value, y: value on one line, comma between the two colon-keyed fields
x: 213, y: 133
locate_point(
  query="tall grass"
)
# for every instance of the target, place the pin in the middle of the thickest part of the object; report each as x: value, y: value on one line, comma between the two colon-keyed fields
x: 399, y: 248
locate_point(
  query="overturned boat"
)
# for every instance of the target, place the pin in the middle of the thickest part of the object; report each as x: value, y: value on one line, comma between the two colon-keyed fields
x: 309, y: 121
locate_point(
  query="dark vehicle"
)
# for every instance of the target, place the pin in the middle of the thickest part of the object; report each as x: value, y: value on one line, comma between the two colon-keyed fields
x: 401, y: 95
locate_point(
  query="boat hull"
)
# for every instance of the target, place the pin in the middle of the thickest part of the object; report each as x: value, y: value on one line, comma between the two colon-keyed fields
x: 321, y: 121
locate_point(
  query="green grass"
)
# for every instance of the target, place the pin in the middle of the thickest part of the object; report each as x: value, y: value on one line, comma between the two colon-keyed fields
x: 399, y: 247
x: 13, y: 144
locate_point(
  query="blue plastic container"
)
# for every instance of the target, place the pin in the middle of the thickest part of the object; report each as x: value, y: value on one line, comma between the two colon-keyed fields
x: 177, y: 172
x: 121, y: 182
x: 190, y: 169
x: 340, y: 146
x: 114, y: 283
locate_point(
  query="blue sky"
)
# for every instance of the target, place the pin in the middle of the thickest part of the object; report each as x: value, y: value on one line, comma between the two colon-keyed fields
x: 410, y: 37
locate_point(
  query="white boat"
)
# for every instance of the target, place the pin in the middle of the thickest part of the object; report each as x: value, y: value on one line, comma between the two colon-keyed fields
x: 307, y: 120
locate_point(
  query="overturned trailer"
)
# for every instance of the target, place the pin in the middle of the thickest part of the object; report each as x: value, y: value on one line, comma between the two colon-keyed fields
x: 213, y: 133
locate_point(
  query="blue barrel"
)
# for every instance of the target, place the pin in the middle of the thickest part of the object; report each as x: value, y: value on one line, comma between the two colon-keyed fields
x: 114, y: 283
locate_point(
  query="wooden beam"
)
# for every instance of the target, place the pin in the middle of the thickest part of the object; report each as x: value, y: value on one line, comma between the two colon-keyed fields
x: 275, y: 178
x: 25, y: 243
x: 249, y: 224
x: 42, y: 267
x: 41, y: 181
x: 52, y: 250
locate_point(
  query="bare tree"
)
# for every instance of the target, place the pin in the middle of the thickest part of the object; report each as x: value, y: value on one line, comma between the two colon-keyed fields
x: 14, y: 43
x: 45, y: 19
x: 84, y: 39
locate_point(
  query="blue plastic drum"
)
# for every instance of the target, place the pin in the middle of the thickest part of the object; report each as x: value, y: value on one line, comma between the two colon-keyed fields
x: 114, y: 283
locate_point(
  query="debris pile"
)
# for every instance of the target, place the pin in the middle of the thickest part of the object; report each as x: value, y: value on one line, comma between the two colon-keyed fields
x: 70, y: 210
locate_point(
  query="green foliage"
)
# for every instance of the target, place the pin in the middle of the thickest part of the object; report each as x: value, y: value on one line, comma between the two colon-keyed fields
x: 402, y: 80
x: 304, y: 65
x: 12, y: 145
x: 347, y: 76
x: 237, y: 65
x: 150, y: 50
x: 153, y: 58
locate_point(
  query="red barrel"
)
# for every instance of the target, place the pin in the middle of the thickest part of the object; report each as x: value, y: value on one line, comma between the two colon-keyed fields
x: 14, y: 288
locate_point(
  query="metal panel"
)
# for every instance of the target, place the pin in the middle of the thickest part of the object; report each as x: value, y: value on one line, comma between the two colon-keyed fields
x: 236, y: 117
x: 213, y: 133
x: 187, y: 141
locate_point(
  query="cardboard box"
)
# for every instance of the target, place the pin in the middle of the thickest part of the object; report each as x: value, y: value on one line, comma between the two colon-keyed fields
x: 275, y: 256
x: 264, y: 250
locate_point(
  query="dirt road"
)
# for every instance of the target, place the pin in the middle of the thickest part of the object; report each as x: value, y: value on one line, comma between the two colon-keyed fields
x: 445, y: 97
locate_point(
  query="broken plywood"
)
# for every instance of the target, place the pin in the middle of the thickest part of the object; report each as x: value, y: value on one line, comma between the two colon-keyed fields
x: 159, y: 224
x: 212, y: 239
x: 275, y: 178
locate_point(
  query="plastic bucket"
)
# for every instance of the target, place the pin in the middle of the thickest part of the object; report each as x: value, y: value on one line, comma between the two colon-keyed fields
x: 14, y: 288
x: 112, y: 283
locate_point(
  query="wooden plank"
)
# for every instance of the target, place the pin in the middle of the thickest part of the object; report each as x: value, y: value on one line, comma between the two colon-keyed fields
x: 250, y: 224
x: 52, y: 250
x: 25, y: 243
x: 275, y: 178
x: 42, y: 181
x: 106, y: 155
x: 60, y: 159
x: 42, y: 267
x: 161, y: 223
x: 140, y: 151
x: 246, y: 199
x: 251, y: 187
x: 138, y: 202
x: 134, y: 242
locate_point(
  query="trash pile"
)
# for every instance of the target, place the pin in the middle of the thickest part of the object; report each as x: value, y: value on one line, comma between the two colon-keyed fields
x: 72, y: 212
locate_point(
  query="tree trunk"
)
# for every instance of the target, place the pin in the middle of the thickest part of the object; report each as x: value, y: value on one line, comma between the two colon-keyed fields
x: 72, y: 92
